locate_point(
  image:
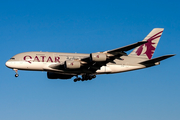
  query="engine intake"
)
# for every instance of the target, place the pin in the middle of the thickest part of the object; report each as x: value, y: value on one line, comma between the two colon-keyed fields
x: 98, y: 57
x: 71, y: 64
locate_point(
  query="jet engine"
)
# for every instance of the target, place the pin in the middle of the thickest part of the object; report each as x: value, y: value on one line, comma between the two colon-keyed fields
x: 52, y: 75
x: 71, y: 64
x: 98, y: 57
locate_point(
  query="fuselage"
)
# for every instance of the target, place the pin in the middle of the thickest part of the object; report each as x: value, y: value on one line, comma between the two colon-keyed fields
x: 41, y: 61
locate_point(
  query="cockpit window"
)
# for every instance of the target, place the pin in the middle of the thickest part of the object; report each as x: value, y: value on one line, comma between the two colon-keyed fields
x: 12, y: 58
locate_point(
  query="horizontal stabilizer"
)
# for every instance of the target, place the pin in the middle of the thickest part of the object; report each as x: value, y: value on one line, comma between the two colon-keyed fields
x: 158, y: 59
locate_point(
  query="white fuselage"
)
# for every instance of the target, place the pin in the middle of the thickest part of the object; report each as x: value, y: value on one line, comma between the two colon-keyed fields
x: 41, y: 61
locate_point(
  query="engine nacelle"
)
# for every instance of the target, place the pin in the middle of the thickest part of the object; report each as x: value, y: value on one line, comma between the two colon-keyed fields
x: 71, y: 64
x: 52, y: 75
x: 98, y: 57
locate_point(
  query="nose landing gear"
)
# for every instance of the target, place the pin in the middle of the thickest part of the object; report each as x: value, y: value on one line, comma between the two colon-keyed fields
x: 16, y: 70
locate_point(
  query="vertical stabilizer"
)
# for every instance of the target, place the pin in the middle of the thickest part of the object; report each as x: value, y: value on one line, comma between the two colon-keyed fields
x: 147, y: 50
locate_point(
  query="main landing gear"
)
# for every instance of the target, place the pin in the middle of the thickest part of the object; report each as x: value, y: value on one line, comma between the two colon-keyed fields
x: 16, y: 70
x: 85, y: 77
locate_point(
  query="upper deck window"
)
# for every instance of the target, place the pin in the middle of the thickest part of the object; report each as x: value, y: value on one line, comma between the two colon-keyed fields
x: 12, y: 58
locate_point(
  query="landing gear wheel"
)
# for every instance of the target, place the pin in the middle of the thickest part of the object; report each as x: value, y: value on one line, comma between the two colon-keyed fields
x: 93, y: 76
x: 16, y: 75
x: 85, y: 77
x: 16, y: 70
x: 77, y: 79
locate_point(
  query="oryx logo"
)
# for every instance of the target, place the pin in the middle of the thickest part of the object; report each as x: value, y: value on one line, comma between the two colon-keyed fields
x: 97, y: 56
x: 148, y: 47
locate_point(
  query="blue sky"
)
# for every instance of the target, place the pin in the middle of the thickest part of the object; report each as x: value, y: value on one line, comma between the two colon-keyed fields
x: 86, y: 27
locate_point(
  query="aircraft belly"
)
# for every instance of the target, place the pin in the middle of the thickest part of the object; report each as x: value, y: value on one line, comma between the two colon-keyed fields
x: 35, y: 66
x: 27, y: 66
x: 123, y: 68
x: 103, y: 70
x: 117, y: 69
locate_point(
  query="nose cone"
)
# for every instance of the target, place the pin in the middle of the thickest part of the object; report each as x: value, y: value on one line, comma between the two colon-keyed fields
x: 8, y: 64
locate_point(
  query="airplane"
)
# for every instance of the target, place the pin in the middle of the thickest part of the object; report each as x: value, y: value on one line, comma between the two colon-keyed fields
x: 66, y: 65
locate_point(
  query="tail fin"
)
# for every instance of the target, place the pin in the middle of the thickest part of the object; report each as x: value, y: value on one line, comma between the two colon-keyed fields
x: 147, y: 50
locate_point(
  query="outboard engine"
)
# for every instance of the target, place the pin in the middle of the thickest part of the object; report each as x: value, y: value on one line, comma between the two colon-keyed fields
x: 98, y: 57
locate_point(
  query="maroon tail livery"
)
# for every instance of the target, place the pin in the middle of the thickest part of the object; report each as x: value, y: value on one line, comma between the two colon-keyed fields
x: 147, y: 50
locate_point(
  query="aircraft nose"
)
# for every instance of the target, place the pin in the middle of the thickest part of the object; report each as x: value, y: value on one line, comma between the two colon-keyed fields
x: 8, y: 64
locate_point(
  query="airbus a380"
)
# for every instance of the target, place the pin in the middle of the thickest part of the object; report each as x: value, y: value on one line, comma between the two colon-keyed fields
x: 67, y: 65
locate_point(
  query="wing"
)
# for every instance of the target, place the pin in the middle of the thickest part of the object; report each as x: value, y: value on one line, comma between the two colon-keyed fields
x: 91, y: 63
x: 111, y: 56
